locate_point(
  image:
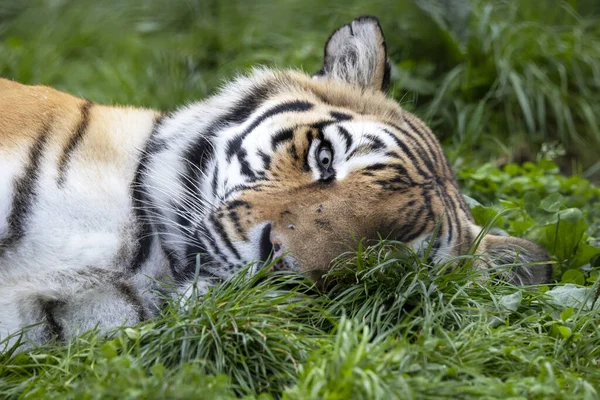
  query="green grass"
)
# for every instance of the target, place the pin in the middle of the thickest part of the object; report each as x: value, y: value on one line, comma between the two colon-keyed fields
x: 393, y: 327
x: 497, y: 80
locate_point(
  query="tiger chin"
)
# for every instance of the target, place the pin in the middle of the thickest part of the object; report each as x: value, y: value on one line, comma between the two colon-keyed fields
x: 98, y: 204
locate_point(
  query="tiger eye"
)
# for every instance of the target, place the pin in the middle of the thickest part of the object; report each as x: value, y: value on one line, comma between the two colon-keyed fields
x: 325, y: 156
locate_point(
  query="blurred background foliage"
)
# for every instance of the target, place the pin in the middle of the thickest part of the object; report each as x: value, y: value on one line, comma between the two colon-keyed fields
x: 500, y: 80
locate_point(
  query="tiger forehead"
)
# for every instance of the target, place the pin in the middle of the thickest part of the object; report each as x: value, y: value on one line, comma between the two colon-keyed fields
x: 336, y: 94
x: 284, y: 116
x: 302, y: 101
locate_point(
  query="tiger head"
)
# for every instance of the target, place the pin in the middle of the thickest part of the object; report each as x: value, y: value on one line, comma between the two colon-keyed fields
x: 281, y: 165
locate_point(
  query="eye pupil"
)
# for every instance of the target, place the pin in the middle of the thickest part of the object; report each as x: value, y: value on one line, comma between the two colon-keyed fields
x: 325, y: 156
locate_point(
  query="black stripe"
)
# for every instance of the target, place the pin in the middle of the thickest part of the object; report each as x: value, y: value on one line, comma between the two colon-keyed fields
x: 213, y: 246
x: 461, y: 202
x: 449, y: 209
x: 409, y: 153
x: 191, y: 252
x: 435, y: 247
x: 266, y: 159
x: 449, y: 227
x: 281, y: 137
x: 235, y: 219
x: 392, y: 154
x: 320, y: 125
x: 245, y: 168
x: 457, y: 218
x: 377, y: 167
x: 397, y: 184
x: 358, y: 150
x: 139, y: 199
x: 418, y: 217
x: 74, y: 141
x: 220, y: 229
x: 402, y: 175
x: 442, y: 156
x: 347, y: 137
x: 266, y: 247
x: 25, y: 193
x: 238, y: 203
x: 321, y: 135
x: 178, y: 271
x: 198, y: 247
x: 400, y: 169
x: 415, y: 234
x: 215, y: 180
x: 426, y: 156
x: 426, y: 133
x: 235, y: 144
x: 425, y: 137
x: 340, y: 116
x: 407, y: 234
x: 53, y: 329
x: 236, y: 188
x: 293, y: 151
x: 400, y: 178
x: 133, y: 299
x: 242, y: 109
x: 376, y: 143
x: 196, y: 159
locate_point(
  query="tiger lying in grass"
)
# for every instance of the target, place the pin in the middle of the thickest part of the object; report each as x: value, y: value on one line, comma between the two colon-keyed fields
x: 98, y: 204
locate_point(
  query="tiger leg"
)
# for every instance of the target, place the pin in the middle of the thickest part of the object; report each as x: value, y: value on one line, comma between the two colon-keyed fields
x: 62, y: 304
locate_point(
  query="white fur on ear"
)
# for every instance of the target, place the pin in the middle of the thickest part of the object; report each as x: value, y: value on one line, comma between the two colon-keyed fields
x: 356, y: 53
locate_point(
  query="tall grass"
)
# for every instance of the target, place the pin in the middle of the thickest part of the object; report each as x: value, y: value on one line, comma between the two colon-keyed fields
x: 393, y: 327
x: 532, y: 76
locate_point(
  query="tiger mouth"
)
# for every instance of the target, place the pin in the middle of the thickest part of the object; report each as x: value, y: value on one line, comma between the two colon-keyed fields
x: 277, y: 260
x: 275, y: 256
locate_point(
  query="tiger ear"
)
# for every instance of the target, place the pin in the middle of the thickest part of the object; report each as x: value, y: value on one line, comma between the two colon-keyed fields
x: 519, y: 261
x: 356, y: 53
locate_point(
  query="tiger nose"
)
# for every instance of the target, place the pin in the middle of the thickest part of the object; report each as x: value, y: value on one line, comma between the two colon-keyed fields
x: 277, y: 247
x: 271, y: 246
x: 266, y: 247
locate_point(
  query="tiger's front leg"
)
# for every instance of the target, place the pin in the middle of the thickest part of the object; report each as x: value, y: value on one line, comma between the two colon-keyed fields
x: 63, y: 304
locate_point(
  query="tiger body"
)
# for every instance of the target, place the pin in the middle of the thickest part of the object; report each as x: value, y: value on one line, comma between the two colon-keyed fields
x: 59, y: 234
x: 101, y: 205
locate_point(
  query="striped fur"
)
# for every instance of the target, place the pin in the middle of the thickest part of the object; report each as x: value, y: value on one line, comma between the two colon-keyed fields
x: 99, y: 204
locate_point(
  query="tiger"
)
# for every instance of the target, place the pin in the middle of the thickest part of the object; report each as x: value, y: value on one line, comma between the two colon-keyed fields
x: 100, y: 205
